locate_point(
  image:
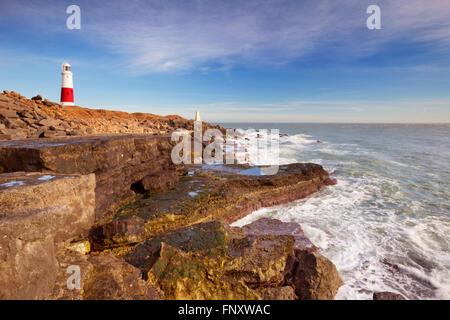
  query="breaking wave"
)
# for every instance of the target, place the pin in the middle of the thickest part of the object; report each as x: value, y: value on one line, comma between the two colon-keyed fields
x: 386, y: 224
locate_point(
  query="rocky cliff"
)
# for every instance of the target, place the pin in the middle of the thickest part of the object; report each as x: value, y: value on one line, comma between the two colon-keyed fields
x: 115, y: 207
x: 119, y: 162
x: 173, y: 244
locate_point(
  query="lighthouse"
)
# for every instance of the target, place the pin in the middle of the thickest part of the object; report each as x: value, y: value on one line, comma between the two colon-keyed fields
x: 67, y: 85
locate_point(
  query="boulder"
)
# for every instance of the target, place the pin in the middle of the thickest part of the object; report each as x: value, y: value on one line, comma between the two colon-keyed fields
x: 51, y: 132
x: 314, y: 276
x: 50, y: 103
x: 258, y: 260
x: 49, y: 122
x: 206, y: 239
x: 16, y: 124
x: 182, y: 276
x: 114, y: 279
x: 17, y: 134
x: 161, y: 182
x: 37, y: 212
x: 8, y: 114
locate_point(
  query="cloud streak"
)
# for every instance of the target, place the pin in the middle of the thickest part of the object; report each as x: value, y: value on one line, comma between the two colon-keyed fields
x: 178, y: 36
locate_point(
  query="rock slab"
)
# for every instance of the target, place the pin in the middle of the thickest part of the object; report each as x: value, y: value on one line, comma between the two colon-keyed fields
x: 38, y: 212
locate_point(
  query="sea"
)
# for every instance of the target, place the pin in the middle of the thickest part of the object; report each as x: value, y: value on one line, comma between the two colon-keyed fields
x: 386, y: 224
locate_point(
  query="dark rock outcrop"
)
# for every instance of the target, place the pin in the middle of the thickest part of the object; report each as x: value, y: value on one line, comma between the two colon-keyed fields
x: 37, y: 213
x: 266, y: 226
x: 386, y: 295
x: 314, y: 277
x: 209, y: 195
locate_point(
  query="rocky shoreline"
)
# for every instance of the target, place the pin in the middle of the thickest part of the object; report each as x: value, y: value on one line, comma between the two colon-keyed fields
x: 22, y: 118
x: 135, y: 225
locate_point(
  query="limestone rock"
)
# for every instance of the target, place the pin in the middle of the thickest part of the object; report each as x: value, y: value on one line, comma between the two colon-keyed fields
x: 8, y: 114
x: 37, y: 211
x: 119, y: 162
x: 49, y: 122
x: 114, y: 279
x: 260, y: 260
x: 161, y: 182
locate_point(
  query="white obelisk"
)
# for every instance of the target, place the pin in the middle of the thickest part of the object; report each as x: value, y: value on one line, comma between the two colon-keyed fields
x: 197, y: 116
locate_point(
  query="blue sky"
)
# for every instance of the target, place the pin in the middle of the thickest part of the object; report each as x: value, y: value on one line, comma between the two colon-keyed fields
x: 258, y: 61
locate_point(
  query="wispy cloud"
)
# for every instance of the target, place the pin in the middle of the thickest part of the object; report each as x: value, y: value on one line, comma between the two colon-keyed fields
x: 168, y: 36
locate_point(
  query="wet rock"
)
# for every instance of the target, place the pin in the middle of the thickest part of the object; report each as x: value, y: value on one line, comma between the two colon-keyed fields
x: 207, y: 239
x: 387, y: 296
x: 314, y: 276
x: 275, y: 227
x: 207, y: 196
x: 187, y: 264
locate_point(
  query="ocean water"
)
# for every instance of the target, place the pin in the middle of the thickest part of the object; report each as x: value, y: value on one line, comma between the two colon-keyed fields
x: 386, y: 224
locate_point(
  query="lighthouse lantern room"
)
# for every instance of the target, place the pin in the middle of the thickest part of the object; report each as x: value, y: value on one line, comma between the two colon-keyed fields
x: 67, y: 85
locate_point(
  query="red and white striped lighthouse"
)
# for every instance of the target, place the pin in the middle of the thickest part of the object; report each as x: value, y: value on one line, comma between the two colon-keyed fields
x: 67, y: 85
